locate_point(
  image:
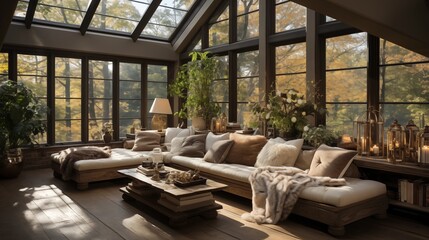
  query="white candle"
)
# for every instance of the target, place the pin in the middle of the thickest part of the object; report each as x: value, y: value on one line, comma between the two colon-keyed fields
x: 425, y: 155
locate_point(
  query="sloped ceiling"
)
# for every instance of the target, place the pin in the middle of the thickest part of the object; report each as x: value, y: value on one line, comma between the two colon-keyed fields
x: 405, y: 23
x: 8, y: 8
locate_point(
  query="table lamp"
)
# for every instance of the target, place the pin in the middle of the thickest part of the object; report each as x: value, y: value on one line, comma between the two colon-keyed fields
x: 160, y: 108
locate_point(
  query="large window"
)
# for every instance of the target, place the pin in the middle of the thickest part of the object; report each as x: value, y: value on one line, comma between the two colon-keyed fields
x: 157, y: 83
x: 68, y: 100
x: 404, y: 89
x: 4, y: 66
x: 220, y: 94
x: 219, y: 29
x: 247, y: 19
x: 130, y: 99
x: 32, y: 71
x: 346, y: 80
x: 247, y: 84
x: 100, y: 95
x: 289, y: 15
x: 290, y: 67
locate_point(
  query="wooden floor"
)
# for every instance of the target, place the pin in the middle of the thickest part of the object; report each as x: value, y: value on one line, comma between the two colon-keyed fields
x: 38, y: 206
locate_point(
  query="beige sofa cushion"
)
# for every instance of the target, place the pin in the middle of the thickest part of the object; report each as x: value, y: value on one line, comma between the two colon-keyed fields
x: 146, y: 141
x: 218, y: 151
x: 212, y: 138
x: 245, y: 149
x: 171, y: 133
x: 331, y: 161
x: 304, y: 159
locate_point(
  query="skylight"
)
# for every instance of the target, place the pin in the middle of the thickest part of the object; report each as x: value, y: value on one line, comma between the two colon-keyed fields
x: 158, y: 19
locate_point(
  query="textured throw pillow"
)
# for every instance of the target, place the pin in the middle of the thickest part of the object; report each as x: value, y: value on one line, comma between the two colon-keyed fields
x: 171, y: 133
x: 304, y: 159
x: 128, y: 144
x: 245, y: 148
x: 279, y: 153
x: 192, y: 146
x: 331, y: 161
x: 212, y: 138
x: 218, y: 151
x: 146, y: 141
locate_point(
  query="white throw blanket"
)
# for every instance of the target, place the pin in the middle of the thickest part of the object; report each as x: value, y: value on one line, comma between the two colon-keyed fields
x: 276, y: 190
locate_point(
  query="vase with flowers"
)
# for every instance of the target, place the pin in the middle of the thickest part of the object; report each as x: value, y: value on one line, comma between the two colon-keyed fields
x: 287, y: 112
x: 107, y: 132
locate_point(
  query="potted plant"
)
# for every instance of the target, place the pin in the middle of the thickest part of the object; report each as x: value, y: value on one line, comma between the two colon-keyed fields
x: 316, y: 136
x: 287, y: 112
x: 194, y: 83
x: 20, y: 114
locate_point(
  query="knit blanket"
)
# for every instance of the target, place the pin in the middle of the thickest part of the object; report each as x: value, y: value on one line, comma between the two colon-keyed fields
x: 69, y: 156
x: 276, y: 190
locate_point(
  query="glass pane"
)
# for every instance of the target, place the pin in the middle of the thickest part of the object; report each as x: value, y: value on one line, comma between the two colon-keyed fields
x: 130, y: 71
x: 340, y: 117
x: 248, y: 26
x: 95, y: 126
x: 68, y: 131
x: 330, y: 19
x: 129, y: 108
x: 248, y: 89
x: 119, y: 15
x: 220, y: 91
x: 223, y: 67
x: 100, y: 69
x: 244, y: 114
x: 223, y: 16
x: 168, y: 16
x: 347, y: 51
x: 100, y: 109
x: 66, y: 11
x: 391, y: 53
x: 248, y: 64
x: 68, y: 109
x: 246, y: 6
x: 293, y: 81
x: 404, y: 83
x: 291, y: 58
x: 125, y: 126
x: 21, y: 8
x: 346, y: 86
x: 32, y: 72
x: 68, y: 67
x: 100, y: 88
x: 219, y: 33
x: 129, y: 90
x: 158, y: 30
x: 155, y: 90
x: 289, y: 16
x: 403, y: 113
x: 4, y: 67
x: 157, y: 73
x: 68, y: 88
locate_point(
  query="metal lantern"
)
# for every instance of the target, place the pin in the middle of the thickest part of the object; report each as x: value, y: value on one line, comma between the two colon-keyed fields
x: 395, y: 142
x: 423, y: 152
x: 411, y: 142
x: 369, y: 133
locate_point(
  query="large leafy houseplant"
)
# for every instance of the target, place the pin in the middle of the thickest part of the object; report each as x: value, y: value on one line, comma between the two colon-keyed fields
x: 20, y: 120
x: 194, y: 83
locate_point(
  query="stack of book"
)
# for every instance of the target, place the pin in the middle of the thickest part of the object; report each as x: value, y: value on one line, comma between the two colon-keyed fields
x: 414, y: 192
x: 180, y: 204
x: 146, y: 171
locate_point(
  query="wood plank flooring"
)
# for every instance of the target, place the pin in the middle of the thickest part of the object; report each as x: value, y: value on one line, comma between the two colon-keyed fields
x: 38, y: 206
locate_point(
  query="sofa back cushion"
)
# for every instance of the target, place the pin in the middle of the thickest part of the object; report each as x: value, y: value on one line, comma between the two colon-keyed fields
x: 279, y: 153
x: 218, y: 151
x: 331, y: 161
x: 171, y: 133
x: 304, y: 159
x: 245, y: 148
x: 146, y: 141
x: 212, y: 138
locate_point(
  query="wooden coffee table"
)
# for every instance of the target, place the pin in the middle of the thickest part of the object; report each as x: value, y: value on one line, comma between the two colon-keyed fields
x: 176, y: 203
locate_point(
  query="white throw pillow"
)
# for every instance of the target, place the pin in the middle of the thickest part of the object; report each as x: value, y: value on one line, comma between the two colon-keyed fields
x: 171, y: 133
x: 278, y: 152
x: 212, y: 138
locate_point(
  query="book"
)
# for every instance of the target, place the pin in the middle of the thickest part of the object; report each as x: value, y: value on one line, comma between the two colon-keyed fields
x: 188, y: 200
x: 176, y: 208
x: 146, y: 171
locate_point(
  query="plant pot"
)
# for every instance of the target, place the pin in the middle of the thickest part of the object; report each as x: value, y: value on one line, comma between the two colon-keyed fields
x: 11, y: 163
x: 199, y: 123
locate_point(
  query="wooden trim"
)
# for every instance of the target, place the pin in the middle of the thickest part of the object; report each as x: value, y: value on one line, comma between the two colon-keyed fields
x: 145, y: 19
x: 115, y: 99
x: 373, y: 72
x: 232, y: 110
x: 88, y: 16
x: 144, y: 107
x: 84, y: 101
x: 31, y: 10
x: 383, y: 165
x: 51, y: 99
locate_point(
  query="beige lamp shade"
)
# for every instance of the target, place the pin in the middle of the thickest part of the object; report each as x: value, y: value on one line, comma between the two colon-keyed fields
x: 160, y: 108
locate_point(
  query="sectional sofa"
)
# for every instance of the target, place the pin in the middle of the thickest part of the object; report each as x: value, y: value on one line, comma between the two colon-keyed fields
x: 231, y: 158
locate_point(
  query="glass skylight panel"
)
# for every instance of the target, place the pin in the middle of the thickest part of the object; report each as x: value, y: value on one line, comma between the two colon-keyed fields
x: 167, y: 17
x: 21, y: 8
x: 66, y: 11
x: 119, y: 15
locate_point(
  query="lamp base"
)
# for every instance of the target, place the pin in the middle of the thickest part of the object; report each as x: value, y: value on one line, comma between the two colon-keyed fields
x: 159, y: 122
